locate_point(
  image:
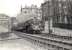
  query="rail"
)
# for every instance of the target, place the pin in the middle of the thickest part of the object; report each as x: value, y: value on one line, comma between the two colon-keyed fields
x: 47, y: 40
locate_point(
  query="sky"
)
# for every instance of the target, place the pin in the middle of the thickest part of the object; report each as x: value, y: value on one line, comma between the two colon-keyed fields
x: 12, y: 7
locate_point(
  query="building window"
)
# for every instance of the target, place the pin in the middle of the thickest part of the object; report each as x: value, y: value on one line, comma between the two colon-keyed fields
x: 60, y: 5
x: 59, y: 0
x: 64, y: 0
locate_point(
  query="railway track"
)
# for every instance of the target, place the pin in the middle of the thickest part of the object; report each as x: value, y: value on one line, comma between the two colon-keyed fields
x: 50, y: 42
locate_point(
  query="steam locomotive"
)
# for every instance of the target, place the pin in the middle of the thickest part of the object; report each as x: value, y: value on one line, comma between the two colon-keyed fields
x: 27, y: 27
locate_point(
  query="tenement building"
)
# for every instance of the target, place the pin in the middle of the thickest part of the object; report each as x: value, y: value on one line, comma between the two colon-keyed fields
x: 47, y: 14
x: 4, y: 23
x: 29, y: 12
x: 57, y: 16
x: 62, y: 19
